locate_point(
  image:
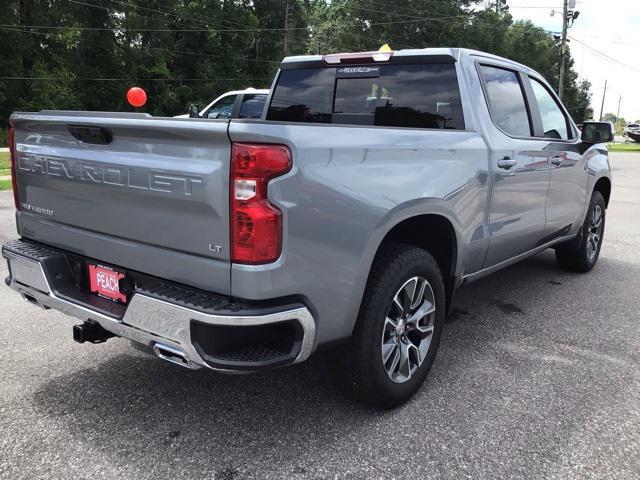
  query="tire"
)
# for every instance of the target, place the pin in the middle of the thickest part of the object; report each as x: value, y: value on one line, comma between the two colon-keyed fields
x: 581, y: 254
x: 398, y: 271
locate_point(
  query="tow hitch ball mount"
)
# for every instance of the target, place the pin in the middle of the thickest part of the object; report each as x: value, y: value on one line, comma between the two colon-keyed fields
x: 90, y: 331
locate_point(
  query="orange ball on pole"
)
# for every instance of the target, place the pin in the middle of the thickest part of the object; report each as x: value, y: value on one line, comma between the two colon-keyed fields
x: 136, y: 96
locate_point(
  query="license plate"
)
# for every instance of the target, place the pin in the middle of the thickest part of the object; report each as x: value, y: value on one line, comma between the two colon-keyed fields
x: 105, y: 282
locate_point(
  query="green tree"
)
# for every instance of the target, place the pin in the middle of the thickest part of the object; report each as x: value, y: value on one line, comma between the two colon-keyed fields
x: 70, y: 54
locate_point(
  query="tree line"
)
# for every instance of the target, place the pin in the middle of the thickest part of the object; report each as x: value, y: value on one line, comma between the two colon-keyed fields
x: 84, y: 54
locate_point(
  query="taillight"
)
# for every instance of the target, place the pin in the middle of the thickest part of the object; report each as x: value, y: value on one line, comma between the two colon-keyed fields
x: 12, y: 160
x: 256, y: 224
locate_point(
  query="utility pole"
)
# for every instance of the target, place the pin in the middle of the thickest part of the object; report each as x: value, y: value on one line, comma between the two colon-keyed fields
x: 569, y: 14
x: 563, y: 46
x: 286, y: 26
x: 619, y: 102
x: 603, y: 97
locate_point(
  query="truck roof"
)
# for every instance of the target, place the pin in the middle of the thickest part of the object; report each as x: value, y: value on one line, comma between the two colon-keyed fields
x: 440, y: 55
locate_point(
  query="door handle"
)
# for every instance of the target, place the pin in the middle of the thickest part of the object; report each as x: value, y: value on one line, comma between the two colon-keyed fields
x: 557, y: 160
x: 506, y: 163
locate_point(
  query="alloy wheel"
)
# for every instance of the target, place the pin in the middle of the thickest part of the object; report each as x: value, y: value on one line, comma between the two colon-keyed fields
x: 594, y: 235
x: 408, y: 329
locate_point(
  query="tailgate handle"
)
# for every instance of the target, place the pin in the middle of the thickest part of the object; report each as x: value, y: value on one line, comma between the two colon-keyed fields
x: 90, y: 134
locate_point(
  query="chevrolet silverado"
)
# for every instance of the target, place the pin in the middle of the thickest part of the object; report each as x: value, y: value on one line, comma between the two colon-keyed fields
x: 344, y: 220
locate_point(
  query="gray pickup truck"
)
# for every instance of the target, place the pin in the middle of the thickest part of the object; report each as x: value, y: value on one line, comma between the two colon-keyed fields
x: 375, y: 185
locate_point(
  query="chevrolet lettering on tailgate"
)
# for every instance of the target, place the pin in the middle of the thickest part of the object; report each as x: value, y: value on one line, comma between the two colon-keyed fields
x: 139, y: 178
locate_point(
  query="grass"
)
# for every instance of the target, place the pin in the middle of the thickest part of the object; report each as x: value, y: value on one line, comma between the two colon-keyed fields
x: 4, y: 162
x: 624, y: 147
x: 5, y: 169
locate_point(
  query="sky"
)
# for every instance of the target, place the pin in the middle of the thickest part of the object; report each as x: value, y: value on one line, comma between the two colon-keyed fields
x: 612, y: 27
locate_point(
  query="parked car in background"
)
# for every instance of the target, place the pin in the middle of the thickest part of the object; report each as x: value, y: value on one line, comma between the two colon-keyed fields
x: 632, y: 132
x: 248, y: 103
x: 376, y: 185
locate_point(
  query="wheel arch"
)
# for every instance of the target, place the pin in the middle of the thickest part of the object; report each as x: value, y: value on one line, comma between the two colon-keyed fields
x: 603, y: 185
x: 440, y: 241
x: 443, y: 241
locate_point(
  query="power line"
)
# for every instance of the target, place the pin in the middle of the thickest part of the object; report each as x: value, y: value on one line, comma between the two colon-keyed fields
x: 135, y: 6
x: 604, y: 55
x: 138, y: 79
x: 188, y: 52
x: 21, y: 28
x: 107, y: 29
x: 316, y: 34
x: 175, y: 15
x: 196, y: 30
x: 550, y: 7
x: 152, y: 10
x: 210, y: 30
x: 211, y: 19
x: 171, y: 14
x: 410, y: 11
x: 173, y: 52
x: 413, y: 19
x: 425, y: 19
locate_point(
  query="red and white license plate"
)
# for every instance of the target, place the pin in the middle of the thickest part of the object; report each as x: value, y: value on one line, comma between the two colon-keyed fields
x: 105, y: 282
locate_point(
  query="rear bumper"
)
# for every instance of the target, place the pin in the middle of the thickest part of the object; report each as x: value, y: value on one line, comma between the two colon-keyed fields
x: 183, y: 326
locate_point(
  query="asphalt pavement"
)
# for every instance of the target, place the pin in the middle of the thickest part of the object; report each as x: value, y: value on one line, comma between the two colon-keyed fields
x: 538, y: 376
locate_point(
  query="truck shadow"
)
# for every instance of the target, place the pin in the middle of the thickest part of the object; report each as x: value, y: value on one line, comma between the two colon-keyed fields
x: 136, y: 408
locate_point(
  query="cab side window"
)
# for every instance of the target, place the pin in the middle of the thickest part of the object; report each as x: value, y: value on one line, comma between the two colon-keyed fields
x: 506, y: 101
x: 252, y: 106
x: 223, y: 108
x: 554, y: 122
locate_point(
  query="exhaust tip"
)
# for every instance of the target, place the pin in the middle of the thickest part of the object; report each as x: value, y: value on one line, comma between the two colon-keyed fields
x: 171, y: 354
x: 34, y: 301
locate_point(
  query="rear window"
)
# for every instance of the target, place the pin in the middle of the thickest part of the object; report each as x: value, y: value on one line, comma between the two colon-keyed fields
x: 419, y: 96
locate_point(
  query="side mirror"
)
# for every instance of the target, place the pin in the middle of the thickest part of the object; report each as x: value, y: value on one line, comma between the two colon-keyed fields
x: 597, y: 132
x: 194, y: 111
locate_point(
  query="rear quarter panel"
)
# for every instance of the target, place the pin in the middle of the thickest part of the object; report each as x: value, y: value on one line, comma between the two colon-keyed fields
x: 349, y: 186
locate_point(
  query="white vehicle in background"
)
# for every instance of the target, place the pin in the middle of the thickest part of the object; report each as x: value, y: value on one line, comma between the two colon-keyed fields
x: 248, y: 103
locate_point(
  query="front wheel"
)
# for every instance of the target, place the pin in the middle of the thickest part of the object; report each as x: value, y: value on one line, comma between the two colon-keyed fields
x: 398, y: 330
x: 582, y: 254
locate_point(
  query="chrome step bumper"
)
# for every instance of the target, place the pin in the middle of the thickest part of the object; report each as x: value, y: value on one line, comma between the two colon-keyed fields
x: 150, y: 318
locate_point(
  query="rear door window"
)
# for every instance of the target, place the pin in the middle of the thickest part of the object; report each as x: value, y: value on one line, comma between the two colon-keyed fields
x: 506, y: 101
x: 554, y: 122
x: 252, y: 106
x: 419, y: 96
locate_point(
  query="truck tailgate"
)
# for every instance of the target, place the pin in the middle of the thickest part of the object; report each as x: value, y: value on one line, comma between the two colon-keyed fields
x: 148, y: 194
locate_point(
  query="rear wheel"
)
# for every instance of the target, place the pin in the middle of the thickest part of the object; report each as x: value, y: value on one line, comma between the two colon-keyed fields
x: 582, y: 254
x: 398, y: 329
